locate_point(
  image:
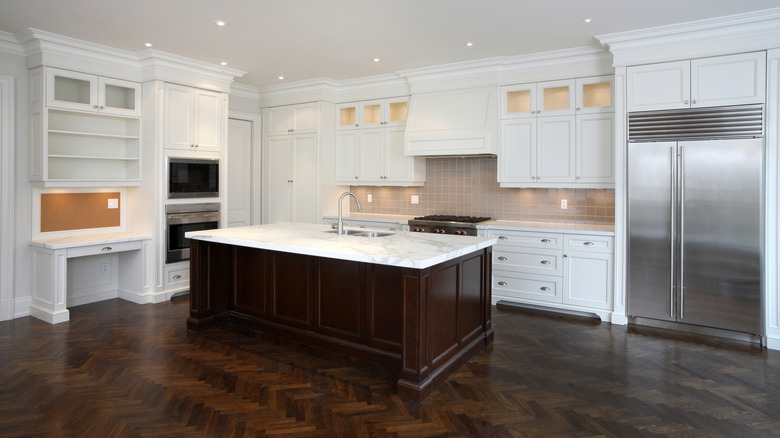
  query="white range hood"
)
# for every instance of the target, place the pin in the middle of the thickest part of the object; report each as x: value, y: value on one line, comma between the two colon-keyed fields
x: 453, y: 123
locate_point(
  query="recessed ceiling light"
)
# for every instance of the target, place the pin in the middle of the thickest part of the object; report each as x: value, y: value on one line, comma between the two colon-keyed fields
x: 281, y: 78
x: 376, y: 59
x: 469, y: 44
x: 587, y: 20
x: 220, y: 23
x: 148, y: 44
x: 223, y: 63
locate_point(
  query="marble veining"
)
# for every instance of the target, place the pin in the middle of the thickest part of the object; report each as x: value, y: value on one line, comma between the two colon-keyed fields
x: 404, y: 249
x: 554, y: 227
x: 89, y: 239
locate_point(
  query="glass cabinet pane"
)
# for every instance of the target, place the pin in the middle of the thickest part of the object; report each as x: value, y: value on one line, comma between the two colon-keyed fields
x: 518, y: 101
x: 71, y: 90
x: 556, y: 98
x: 347, y: 116
x: 597, y: 95
x: 119, y: 97
x: 397, y: 112
x: 372, y: 114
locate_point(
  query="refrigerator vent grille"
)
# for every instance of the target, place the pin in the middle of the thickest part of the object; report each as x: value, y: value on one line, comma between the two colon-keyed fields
x: 700, y: 123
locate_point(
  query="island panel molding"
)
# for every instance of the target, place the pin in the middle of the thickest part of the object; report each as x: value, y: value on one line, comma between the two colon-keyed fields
x: 423, y: 322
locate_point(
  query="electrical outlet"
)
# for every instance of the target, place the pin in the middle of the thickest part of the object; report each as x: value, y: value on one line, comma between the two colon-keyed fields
x: 369, y: 198
x: 104, y: 267
x: 415, y: 199
x: 113, y: 203
x: 564, y: 204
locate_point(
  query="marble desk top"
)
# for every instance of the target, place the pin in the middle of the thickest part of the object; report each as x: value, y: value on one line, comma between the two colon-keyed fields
x: 403, y: 248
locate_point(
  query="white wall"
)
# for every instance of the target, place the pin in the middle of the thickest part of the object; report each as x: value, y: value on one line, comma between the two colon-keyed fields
x: 16, y: 66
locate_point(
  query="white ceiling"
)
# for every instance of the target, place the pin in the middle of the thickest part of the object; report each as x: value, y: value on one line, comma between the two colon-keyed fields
x: 337, y: 39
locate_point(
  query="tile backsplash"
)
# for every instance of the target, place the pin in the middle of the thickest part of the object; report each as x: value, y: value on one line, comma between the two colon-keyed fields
x: 467, y: 186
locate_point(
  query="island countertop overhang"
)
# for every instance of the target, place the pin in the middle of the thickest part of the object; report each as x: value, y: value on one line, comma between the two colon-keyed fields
x: 403, y: 248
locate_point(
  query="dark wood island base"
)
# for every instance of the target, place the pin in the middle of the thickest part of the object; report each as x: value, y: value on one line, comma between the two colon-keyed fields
x: 424, y: 322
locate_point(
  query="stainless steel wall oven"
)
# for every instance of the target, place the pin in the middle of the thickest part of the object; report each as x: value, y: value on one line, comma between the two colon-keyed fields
x: 181, y: 218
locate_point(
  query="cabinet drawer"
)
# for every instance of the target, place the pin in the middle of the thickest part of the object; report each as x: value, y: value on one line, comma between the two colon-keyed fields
x: 108, y: 248
x: 576, y: 242
x: 540, y: 261
x: 534, y: 287
x: 178, y: 276
x: 532, y: 240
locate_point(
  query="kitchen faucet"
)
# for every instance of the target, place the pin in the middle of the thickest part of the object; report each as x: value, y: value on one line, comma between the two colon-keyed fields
x: 340, y: 229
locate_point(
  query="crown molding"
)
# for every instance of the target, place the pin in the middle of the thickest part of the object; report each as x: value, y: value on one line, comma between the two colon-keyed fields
x: 758, y: 30
x: 309, y: 90
x: 244, y: 91
x: 10, y: 44
x: 45, y: 48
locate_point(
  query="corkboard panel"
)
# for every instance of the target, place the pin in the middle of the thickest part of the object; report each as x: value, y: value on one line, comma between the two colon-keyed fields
x: 78, y: 211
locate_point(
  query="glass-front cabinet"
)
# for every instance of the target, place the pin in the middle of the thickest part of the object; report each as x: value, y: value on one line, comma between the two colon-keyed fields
x: 372, y: 113
x: 554, y: 98
x: 84, y: 92
x: 595, y: 95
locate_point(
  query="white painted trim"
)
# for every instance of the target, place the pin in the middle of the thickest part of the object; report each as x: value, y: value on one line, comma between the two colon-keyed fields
x: 620, y: 302
x: 256, y: 191
x: 6, y: 197
x: 772, y: 203
x: 244, y: 91
x: 36, y: 212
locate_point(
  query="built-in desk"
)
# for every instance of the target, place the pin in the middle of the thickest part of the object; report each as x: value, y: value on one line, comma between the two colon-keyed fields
x: 50, y: 270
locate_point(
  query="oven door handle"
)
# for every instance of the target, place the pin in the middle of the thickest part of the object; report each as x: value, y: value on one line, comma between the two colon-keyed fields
x: 191, y: 218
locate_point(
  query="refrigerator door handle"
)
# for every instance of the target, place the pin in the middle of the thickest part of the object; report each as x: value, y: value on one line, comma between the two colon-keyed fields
x: 672, y: 200
x: 681, y: 169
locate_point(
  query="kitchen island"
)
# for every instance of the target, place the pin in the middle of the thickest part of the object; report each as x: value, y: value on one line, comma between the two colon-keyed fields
x: 419, y: 303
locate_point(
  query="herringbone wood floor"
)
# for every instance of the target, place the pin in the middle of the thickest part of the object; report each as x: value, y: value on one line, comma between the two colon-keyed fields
x: 121, y: 369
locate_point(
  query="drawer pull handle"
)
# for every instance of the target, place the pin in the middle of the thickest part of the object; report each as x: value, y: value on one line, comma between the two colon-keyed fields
x: 502, y: 283
x: 588, y: 243
x: 545, y: 240
x: 545, y: 262
x: 502, y: 258
x: 502, y: 238
x: 107, y: 248
x: 545, y: 288
x: 176, y: 277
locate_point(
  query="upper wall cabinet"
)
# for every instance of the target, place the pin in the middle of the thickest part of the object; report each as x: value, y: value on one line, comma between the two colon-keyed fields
x: 292, y: 119
x: 723, y: 80
x: 84, y: 92
x: 194, y: 119
x: 558, y: 98
x: 74, y: 144
x: 372, y: 113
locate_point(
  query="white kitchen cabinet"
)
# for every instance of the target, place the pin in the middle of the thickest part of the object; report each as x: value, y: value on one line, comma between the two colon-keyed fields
x: 717, y: 81
x: 538, y: 151
x: 372, y: 113
x: 553, y: 98
x: 194, y: 119
x: 292, y: 179
x: 595, y: 150
x: 85, y: 92
x: 292, y: 119
x: 572, y: 270
x: 79, y: 148
x: 595, y: 95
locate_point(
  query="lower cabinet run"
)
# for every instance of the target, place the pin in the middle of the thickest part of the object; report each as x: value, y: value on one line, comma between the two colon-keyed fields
x: 424, y: 322
x: 571, y: 271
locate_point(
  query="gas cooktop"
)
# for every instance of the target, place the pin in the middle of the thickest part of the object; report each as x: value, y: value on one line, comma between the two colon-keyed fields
x: 451, y: 218
x: 446, y: 224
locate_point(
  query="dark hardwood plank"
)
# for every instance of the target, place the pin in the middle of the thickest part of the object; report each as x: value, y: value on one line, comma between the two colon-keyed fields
x: 125, y: 370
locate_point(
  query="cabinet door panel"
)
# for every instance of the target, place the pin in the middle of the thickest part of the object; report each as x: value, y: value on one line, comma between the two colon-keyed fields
x: 347, y: 157
x: 659, y: 86
x: 239, y: 168
x: 518, y: 101
x: 280, y: 189
x: 119, y: 97
x: 71, y: 90
x: 372, y: 155
x: 728, y: 80
x: 517, y: 161
x: 179, y: 117
x: 292, y: 289
x: 398, y: 167
x: 588, y: 279
x: 526, y: 286
x: 339, y: 304
x: 596, y: 148
x: 304, y: 118
x: 555, y: 98
x: 306, y: 189
x: 279, y: 121
x: 556, y: 143
x: 207, y: 120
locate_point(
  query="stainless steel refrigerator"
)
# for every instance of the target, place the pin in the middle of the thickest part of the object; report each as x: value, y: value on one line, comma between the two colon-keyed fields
x: 695, y: 227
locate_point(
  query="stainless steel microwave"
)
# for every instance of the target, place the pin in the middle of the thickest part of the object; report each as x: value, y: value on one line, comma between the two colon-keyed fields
x: 193, y: 178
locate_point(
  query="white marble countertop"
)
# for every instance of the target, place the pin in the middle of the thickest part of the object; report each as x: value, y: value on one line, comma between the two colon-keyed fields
x: 554, y: 227
x: 87, y: 240
x: 404, y: 249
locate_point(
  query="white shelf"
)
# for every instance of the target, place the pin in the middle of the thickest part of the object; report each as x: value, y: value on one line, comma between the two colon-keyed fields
x: 92, y: 134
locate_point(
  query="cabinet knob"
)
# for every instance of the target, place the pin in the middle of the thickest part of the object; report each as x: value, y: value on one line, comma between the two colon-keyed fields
x: 356, y: 177
x: 564, y: 256
x: 106, y: 248
x: 502, y: 258
x: 94, y: 106
x: 544, y: 288
x: 588, y: 243
x: 502, y: 238
x: 101, y: 107
x: 502, y: 283
x: 577, y: 109
x: 356, y: 125
x: 176, y: 277
x: 694, y: 101
x: 545, y: 262
x: 686, y: 102
x: 545, y: 240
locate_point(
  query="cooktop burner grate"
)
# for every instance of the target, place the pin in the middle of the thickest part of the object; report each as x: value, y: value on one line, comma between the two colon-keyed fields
x: 452, y: 218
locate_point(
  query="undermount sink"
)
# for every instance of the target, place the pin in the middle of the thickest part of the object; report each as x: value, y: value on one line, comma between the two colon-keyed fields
x: 363, y: 233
